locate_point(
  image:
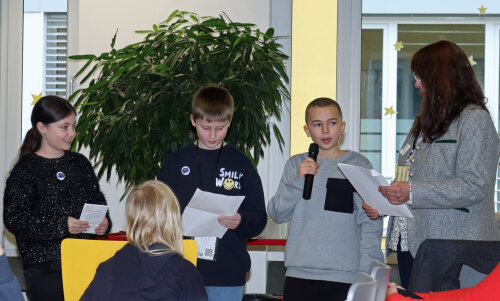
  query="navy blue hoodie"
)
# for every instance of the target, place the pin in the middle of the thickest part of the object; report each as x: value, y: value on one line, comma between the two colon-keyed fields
x: 224, y: 171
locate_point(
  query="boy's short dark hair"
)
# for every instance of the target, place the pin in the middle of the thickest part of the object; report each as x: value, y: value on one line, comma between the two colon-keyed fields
x: 213, y: 103
x: 323, y: 102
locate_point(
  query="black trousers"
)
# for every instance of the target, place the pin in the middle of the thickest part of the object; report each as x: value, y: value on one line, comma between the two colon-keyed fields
x: 44, y: 282
x: 405, y: 263
x: 297, y: 289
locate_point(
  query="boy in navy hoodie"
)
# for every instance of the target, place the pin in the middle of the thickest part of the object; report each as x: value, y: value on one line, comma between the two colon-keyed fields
x: 213, y: 165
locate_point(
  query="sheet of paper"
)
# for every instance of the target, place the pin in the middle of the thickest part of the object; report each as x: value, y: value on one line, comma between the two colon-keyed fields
x: 94, y: 214
x: 366, y: 182
x: 200, y: 215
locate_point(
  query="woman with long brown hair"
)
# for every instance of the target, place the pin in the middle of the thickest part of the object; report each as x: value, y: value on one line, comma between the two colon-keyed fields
x: 448, y: 162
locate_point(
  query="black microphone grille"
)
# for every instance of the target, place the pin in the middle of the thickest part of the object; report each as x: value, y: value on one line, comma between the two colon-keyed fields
x: 313, y: 148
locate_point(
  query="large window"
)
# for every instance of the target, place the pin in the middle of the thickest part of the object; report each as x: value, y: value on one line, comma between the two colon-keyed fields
x: 389, y: 101
x: 44, y: 53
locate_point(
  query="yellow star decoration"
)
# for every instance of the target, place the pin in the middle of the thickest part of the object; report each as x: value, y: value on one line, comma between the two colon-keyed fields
x: 471, y: 60
x: 398, y: 45
x: 36, y: 98
x: 482, y: 10
x: 389, y: 111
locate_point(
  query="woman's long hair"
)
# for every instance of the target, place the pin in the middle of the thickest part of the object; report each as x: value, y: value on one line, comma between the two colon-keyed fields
x: 154, y: 216
x: 48, y: 109
x: 450, y: 85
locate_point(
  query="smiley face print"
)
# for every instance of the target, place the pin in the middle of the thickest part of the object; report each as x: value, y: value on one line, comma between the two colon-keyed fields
x: 228, y: 183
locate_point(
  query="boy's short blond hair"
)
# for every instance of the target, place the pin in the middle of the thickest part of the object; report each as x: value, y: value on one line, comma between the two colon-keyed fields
x: 212, y: 103
x: 323, y: 102
x: 154, y: 216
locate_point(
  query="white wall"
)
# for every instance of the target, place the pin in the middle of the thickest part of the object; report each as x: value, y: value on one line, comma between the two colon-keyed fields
x: 92, y: 24
x: 98, y: 19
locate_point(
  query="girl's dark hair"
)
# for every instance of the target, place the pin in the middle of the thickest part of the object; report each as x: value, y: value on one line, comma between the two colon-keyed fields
x: 450, y: 85
x: 47, y: 110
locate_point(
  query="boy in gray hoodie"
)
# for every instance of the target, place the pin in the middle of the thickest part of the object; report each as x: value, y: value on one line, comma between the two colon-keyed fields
x: 330, y: 236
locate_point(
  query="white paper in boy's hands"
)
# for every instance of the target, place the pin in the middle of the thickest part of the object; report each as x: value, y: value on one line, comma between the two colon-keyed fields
x: 200, y: 215
x: 94, y: 215
x: 366, y: 182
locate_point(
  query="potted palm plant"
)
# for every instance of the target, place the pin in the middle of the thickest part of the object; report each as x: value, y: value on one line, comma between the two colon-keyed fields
x: 134, y: 109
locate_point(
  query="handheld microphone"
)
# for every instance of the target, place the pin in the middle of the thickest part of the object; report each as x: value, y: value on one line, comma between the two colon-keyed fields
x: 308, y: 182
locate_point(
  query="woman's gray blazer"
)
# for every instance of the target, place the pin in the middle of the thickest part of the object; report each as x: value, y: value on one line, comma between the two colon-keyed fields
x: 453, y: 182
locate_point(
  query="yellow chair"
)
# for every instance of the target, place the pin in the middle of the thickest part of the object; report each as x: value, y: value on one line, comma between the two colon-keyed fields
x: 81, y: 257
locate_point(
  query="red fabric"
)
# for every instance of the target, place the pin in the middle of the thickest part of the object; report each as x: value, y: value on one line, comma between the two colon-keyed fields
x: 486, y: 290
x: 266, y: 242
x: 252, y: 242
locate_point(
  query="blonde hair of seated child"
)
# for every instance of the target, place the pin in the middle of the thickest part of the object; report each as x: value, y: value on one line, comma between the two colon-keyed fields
x: 153, y: 216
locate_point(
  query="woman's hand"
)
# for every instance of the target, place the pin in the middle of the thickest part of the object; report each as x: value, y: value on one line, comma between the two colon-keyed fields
x: 398, y: 193
x: 77, y: 226
x: 308, y: 167
x: 101, y: 229
x: 372, y: 213
x: 230, y: 222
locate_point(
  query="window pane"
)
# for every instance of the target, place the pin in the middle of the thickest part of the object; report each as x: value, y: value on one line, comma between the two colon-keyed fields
x: 371, y: 95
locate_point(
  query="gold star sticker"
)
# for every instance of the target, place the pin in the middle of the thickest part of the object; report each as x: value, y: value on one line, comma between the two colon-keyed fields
x: 36, y: 98
x: 471, y: 60
x: 482, y: 10
x: 398, y: 45
x: 389, y: 111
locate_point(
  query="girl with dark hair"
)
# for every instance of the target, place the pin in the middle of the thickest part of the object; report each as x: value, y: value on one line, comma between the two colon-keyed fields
x: 44, y: 196
x: 447, y: 165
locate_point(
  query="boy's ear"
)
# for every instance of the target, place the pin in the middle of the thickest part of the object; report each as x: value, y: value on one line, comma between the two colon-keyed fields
x: 342, y: 129
x: 306, y: 129
x: 193, y: 122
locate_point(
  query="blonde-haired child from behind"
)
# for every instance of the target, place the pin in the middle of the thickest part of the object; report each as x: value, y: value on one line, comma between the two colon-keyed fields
x: 150, y: 266
x: 153, y: 216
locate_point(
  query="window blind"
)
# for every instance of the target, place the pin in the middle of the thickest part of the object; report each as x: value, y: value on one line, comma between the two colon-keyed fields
x: 55, y: 54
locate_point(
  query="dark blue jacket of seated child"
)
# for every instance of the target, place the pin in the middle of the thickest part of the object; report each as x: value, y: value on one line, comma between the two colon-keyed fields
x: 134, y: 275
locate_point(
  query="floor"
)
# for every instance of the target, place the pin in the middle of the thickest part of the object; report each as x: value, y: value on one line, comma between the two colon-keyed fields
x: 275, y: 281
